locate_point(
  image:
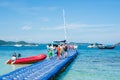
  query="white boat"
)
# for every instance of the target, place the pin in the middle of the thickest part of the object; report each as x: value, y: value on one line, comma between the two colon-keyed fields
x: 92, y: 46
x: 17, y: 45
x: 106, y: 47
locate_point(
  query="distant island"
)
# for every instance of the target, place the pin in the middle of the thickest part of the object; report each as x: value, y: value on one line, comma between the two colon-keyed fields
x: 19, y: 43
x: 23, y: 43
x: 118, y: 43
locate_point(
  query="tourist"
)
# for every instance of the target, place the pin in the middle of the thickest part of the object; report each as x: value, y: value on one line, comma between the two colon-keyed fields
x: 65, y: 50
x: 62, y: 50
x: 50, y: 51
x: 58, y: 52
x: 19, y: 55
x: 13, y: 58
x: 55, y: 50
x: 15, y: 54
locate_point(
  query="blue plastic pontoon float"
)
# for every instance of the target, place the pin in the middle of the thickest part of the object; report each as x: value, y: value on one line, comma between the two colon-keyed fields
x: 45, y: 70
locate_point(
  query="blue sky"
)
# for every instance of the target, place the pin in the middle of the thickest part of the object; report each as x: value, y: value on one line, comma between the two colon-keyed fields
x: 42, y: 20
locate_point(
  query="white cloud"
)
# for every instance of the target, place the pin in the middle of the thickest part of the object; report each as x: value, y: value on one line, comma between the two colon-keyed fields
x: 75, y: 26
x: 81, y: 26
x: 51, y: 28
x: 26, y: 28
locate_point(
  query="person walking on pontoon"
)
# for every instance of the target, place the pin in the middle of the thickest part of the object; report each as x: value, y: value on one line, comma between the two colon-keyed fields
x: 50, y: 51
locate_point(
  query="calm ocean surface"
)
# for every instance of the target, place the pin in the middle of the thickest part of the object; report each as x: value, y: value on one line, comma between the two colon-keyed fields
x: 90, y: 64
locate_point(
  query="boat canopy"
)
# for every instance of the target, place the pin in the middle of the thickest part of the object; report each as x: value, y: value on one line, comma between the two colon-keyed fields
x: 63, y: 41
x: 56, y: 43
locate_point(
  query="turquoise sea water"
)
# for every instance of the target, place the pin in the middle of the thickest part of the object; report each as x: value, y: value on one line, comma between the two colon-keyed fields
x: 94, y: 64
x: 90, y: 64
x: 6, y: 53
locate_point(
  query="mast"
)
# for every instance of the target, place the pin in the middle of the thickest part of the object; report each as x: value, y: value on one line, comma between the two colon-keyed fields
x: 64, y: 25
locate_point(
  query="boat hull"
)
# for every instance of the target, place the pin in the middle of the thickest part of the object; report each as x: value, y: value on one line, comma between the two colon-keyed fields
x: 28, y: 60
x: 106, y: 47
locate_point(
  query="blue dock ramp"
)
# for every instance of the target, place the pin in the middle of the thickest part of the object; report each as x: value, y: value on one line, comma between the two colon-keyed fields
x: 44, y: 70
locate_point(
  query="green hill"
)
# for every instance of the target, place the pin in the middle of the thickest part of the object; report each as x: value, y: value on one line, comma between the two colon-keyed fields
x: 10, y: 43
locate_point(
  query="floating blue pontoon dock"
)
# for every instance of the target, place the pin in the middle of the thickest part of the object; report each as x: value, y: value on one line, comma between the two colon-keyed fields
x: 45, y: 70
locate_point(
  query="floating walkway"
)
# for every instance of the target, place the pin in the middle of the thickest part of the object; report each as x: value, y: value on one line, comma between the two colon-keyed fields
x: 45, y: 70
